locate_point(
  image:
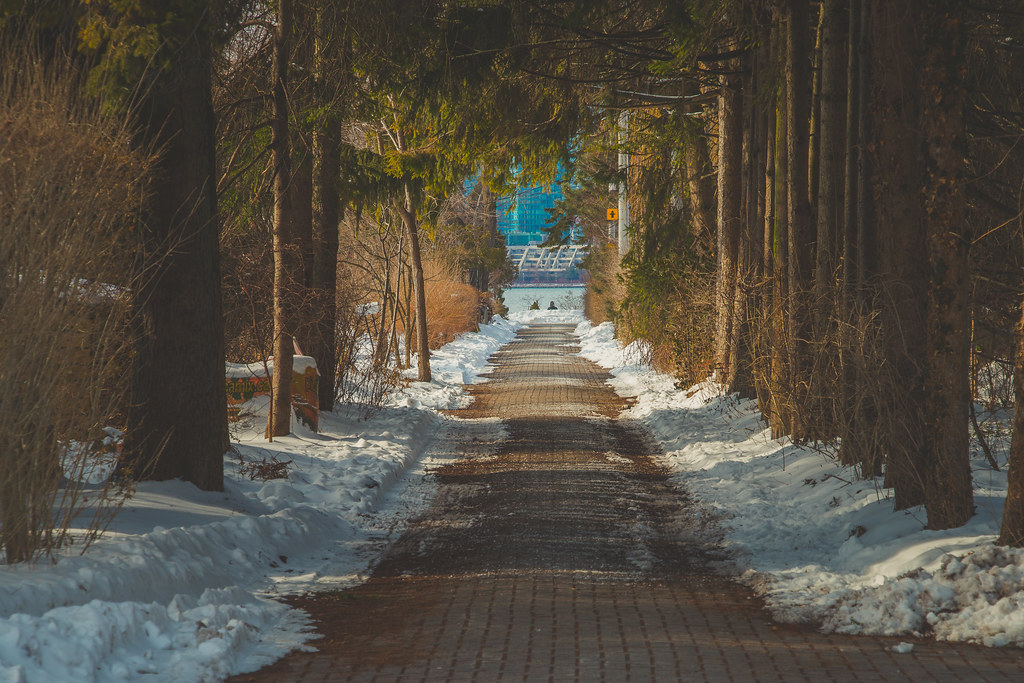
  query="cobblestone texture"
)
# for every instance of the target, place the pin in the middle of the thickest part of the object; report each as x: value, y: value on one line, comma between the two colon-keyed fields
x: 568, y: 555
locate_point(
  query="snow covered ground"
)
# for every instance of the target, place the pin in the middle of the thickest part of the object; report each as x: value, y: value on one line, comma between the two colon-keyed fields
x: 820, y: 544
x: 179, y: 588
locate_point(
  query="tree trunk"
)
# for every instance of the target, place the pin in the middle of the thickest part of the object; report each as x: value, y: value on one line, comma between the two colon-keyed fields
x: 285, y: 256
x: 700, y: 180
x: 814, y: 129
x: 327, y: 214
x: 302, y: 238
x: 829, y: 213
x: 408, y: 213
x: 832, y: 156
x: 782, y: 392
x: 897, y: 181
x: 859, y: 447
x: 749, y: 271
x: 1012, y: 531
x: 730, y: 215
x: 801, y: 232
x: 764, y: 343
x: 177, y: 415
x: 949, y: 496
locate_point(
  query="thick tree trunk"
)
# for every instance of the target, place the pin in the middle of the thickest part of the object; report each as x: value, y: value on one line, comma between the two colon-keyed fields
x: 949, y: 496
x: 1012, y: 531
x: 801, y: 232
x: 285, y: 256
x: 897, y: 183
x: 730, y: 216
x: 177, y: 417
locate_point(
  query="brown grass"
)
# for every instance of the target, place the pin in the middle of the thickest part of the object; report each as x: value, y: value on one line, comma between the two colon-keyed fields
x: 71, y: 187
x: 453, y: 308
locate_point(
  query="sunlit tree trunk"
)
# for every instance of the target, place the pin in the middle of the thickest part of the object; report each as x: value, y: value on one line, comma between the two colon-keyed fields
x: 801, y: 232
x: 764, y: 342
x: 285, y: 256
x: 781, y: 382
x: 408, y: 213
x: 829, y: 214
x: 730, y: 215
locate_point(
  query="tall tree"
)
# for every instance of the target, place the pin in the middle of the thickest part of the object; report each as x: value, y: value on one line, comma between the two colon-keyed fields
x: 1012, y: 529
x: 407, y: 210
x: 857, y: 402
x: 949, y: 497
x: 783, y: 407
x: 332, y: 49
x: 730, y: 213
x: 286, y: 261
x: 800, y: 230
x: 895, y: 145
x: 831, y: 139
x: 177, y: 419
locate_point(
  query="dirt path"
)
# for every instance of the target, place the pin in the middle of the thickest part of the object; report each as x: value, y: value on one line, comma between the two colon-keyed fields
x: 568, y: 555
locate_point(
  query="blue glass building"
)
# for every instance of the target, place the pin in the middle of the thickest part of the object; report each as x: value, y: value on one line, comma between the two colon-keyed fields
x: 522, y: 216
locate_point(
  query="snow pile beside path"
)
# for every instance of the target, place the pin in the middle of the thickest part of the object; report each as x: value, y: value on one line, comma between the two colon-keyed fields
x: 460, y: 362
x: 823, y: 545
x: 178, y: 589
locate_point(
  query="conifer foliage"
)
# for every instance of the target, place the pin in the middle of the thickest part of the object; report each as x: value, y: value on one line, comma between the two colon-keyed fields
x: 803, y: 225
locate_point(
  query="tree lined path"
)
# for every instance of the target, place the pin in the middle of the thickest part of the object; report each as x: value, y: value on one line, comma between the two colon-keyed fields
x: 562, y: 551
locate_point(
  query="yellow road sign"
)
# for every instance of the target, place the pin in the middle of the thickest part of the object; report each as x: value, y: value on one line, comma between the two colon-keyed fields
x: 613, y: 214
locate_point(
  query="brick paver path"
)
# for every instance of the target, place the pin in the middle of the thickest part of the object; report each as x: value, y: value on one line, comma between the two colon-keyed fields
x: 568, y: 555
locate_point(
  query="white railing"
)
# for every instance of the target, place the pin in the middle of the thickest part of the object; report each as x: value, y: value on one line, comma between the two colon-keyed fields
x: 545, y: 259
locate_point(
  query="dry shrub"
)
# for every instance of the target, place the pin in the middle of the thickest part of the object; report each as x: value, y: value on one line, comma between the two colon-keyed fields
x: 673, y: 313
x: 604, y: 287
x: 264, y: 469
x: 71, y: 188
x: 452, y: 307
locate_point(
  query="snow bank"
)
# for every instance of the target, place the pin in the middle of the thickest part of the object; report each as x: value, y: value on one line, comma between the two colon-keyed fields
x: 821, y: 544
x: 457, y: 363
x: 179, y: 587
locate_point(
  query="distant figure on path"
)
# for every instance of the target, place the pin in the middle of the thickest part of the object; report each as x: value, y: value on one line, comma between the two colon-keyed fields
x: 535, y: 306
x: 552, y: 306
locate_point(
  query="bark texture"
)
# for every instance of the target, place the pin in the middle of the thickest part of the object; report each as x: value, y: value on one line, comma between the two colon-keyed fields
x: 800, y: 229
x: 895, y: 159
x: 949, y: 493
x: 408, y: 213
x: 177, y: 419
x: 1012, y: 530
x: 730, y: 215
x: 285, y: 254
